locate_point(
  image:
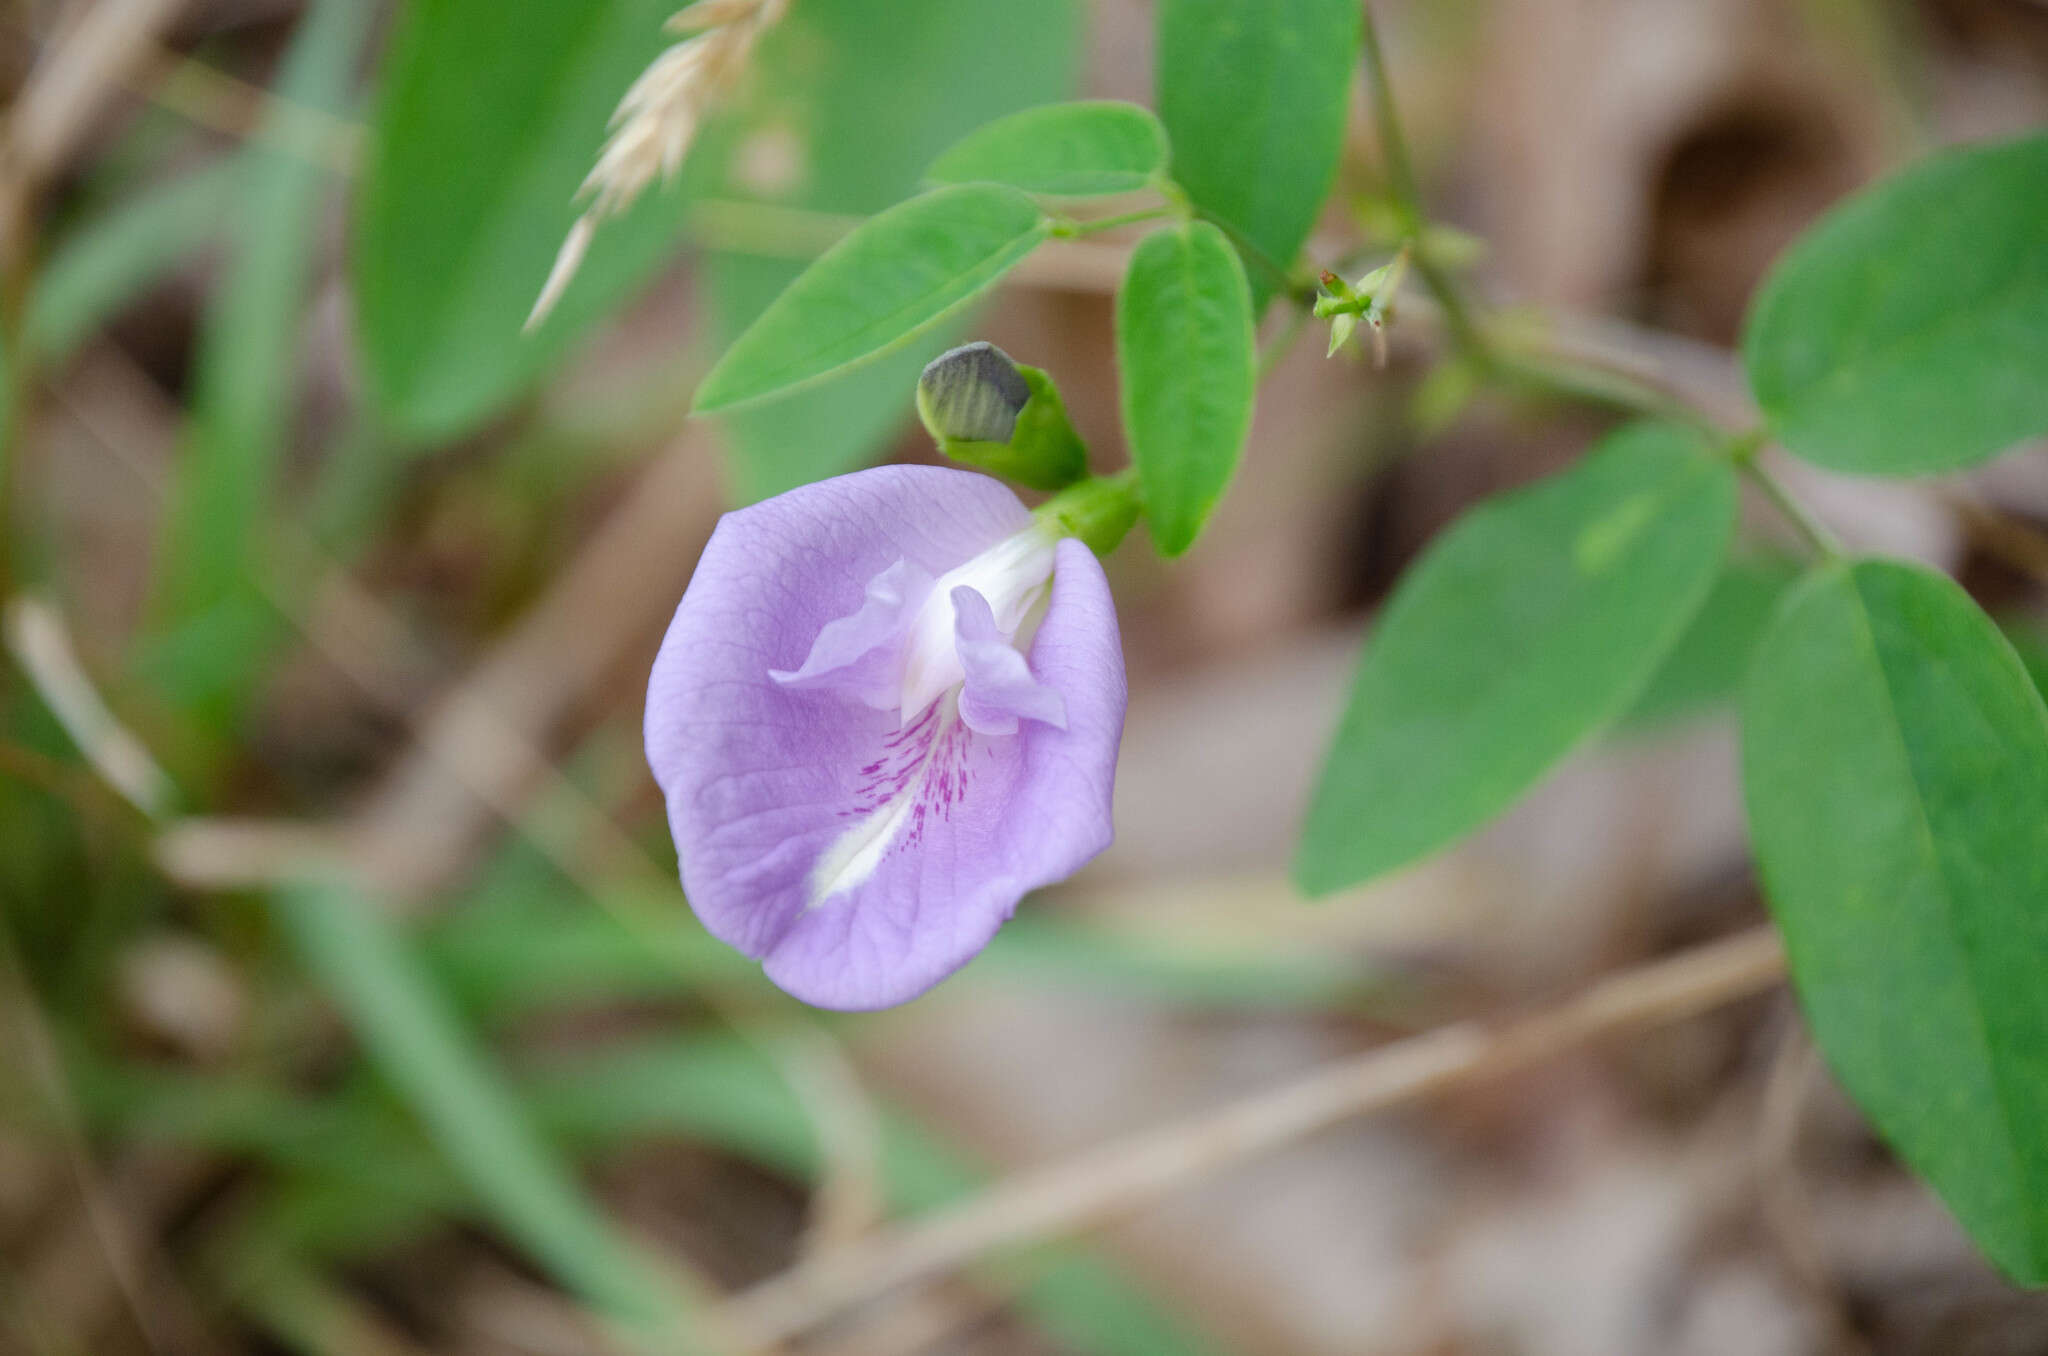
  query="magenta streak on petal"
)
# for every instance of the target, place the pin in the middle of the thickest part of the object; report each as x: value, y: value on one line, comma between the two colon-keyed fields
x: 895, y: 807
x: 885, y: 778
x: 936, y: 792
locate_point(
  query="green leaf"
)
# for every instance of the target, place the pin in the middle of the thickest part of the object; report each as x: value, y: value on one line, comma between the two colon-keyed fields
x: 1523, y: 630
x: 1254, y: 94
x: 1705, y: 668
x: 1895, y: 767
x: 1071, y: 150
x: 1908, y: 332
x: 858, y: 96
x: 349, y: 942
x: 893, y: 277
x: 103, y: 266
x: 490, y: 117
x: 1186, y: 358
x: 248, y: 364
x: 816, y: 430
x: 2030, y: 642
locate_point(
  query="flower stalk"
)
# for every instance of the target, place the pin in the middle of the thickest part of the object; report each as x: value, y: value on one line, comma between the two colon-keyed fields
x: 1099, y: 511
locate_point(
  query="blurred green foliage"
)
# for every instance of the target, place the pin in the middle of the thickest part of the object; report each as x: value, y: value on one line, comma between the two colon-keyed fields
x: 215, y: 626
x: 488, y: 119
x: 1254, y: 95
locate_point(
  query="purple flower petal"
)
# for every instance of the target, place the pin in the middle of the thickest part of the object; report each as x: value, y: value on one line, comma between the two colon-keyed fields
x: 860, y: 654
x: 999, y: 689
x: 864, y: 859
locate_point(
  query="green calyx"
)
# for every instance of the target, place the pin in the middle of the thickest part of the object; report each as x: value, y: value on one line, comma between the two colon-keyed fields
x: 1098, y: 511
x: 987, y: 411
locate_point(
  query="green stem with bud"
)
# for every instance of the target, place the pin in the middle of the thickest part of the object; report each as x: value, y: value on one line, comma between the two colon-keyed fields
x: 1473, y: 344
x: 1406, y: 197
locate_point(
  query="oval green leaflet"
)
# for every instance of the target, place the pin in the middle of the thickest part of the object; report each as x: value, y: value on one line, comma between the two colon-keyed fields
x: 1185, y: 356
x: 1908, y: 332
x: 1523, y: 630
x: 894, y: 276
x: 1076, y: 150
x: 1895, y: 769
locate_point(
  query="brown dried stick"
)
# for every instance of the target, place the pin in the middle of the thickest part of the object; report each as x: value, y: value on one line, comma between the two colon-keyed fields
x: 66, y: 90
x: 481, y: 749
x: 39, y: 641
x: 1077, y: 1192
x: 212, y: 98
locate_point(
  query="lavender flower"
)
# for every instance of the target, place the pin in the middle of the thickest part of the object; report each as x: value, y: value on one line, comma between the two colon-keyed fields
x: 864, y: 774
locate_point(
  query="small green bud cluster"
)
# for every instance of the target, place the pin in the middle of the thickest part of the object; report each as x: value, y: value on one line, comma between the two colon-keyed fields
x: 1370, y: 299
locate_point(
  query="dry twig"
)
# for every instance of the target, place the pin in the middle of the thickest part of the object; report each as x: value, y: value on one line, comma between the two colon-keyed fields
x: 481, y: 751
x: 848, y: 1200
x: 65, y: 91
x: 1077, y: 1192
x: 212, y: 98
x: 41, y: 645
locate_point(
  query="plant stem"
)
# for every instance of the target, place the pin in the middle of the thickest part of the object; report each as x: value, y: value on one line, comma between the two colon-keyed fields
x: 1589, y: 384
x: 1098, y: 510
x: 1299, y: 289
x: 1407, y: 201
x: 1743, y: 449
x: 1387, y: 119
x: 1810, y: 527
x: 1620, y: 391
x: 1282, y: 343
x: 1066, y: 228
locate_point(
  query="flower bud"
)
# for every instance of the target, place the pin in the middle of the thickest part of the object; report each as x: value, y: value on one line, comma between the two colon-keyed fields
x: 983, y: 409
x: 1371, y: 299
x: 973, y: 393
